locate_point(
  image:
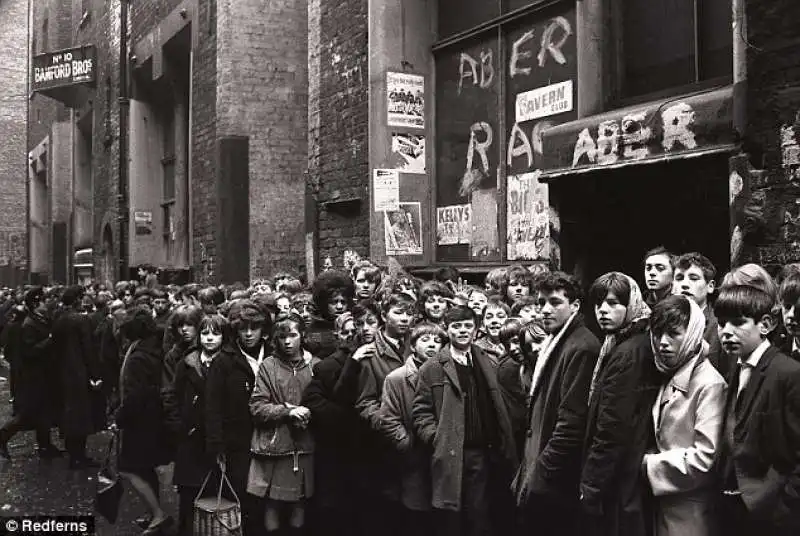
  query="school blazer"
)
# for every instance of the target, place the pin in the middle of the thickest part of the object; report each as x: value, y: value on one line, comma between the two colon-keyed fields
x: 766, y: 449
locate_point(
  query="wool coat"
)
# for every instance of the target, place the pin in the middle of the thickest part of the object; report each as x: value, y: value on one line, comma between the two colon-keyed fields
x: 83, y: 408
x: 438, y: 414
x: 339, y: 433
x: 37, y: 397
x: 613, y: 489
x: 184, y: 408
x: 230, y: 382
x: 413, y: 459
x: 139, y: 415
x: 687, y: 419
x: 557, y: 419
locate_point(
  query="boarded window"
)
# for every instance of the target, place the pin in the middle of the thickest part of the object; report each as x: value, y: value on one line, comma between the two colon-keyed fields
x: 483, y: 139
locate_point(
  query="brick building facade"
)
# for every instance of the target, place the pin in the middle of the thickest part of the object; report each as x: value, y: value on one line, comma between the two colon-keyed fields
x: 554, y: 127
x: 216, y: 131
x: 13, y: 106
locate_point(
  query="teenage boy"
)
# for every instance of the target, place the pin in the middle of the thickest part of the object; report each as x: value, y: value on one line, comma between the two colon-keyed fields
x: 377, y: 359
x: 546, y: 484
x: 460, y: 414
x: 758, y: 460
x: 789, y: 295
x: 659, y: 270
x: 695, y: 278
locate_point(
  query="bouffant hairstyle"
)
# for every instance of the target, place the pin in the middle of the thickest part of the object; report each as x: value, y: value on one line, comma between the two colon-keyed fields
x: 497, y: 280
x: 245, y: 312
x: 519, y: 274
x: 327, y: 285
x: 138, y: 323
x: 752, y: 275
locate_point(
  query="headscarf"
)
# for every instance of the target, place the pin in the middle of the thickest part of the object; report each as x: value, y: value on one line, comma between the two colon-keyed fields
x: 692, y: 344
x: 636, y: 310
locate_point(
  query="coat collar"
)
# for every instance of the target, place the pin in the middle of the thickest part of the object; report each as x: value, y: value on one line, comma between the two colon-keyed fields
x: 479, y: 359
x: 386, y: 349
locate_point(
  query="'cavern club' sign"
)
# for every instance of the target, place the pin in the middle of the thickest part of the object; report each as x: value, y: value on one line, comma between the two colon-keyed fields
x: 64, y: 68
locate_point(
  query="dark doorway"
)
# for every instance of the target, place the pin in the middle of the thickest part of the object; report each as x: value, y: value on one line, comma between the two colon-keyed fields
x: 610, y: 218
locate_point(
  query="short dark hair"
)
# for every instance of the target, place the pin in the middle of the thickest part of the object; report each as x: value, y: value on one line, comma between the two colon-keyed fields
x: 283, y: 324
x: 512, y: 328
x: 496, y: 301
x: 742, y: 301
x: 366, y: 307
x: 427, y: 328
x: 434, y: 288
x: 661, y: 250
x: 615, y: 282
x: 447, y: 273
x: 138, y: 324
x: 789, y: 292
x: 397, y: 299
x: 185, y: 315
x: 687, y: 260
x: 72, y: 295
x: 555, y: 281
x: 669, y: 314
x: 210, y: 296
x: 459, y: 313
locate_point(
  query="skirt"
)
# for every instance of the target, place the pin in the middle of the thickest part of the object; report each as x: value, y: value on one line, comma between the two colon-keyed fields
x: 275, y: 478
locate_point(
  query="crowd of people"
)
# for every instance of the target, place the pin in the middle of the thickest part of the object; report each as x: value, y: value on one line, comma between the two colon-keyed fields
x: 373, y: 402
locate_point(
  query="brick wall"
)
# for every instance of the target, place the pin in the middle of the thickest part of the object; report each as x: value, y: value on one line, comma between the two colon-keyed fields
x: 13, y: 106
x: 773, y: 63
x: 262, y: 81
x: 338, y: 123
x: 204, y: 135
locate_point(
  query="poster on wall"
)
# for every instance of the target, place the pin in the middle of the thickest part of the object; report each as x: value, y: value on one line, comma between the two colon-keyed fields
x: 453, y: 225
x: 406, y: 100
x: 528, y: 215
x: 143, y: 221
x: 408, y: 152
x: 402, y: 230
x: 386, y: 189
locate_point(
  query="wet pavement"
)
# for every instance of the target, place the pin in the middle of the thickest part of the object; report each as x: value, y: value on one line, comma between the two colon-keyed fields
x: 32, y: 486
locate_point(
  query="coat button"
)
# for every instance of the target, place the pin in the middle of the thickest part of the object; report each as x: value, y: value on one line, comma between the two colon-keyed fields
x: 452, y: 453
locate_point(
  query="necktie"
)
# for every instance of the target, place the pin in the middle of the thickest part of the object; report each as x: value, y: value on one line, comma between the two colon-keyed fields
x: 745, y: 371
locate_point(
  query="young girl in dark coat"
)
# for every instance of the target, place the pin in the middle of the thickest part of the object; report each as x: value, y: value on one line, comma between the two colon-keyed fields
x: 185, y: 405
x: 282, y: 446
x: 143, y: 441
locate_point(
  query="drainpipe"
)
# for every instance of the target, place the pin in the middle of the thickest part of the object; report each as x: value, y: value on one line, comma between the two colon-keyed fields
x: 28, y: 87
x: 740, y: 68
x: 124, y: 108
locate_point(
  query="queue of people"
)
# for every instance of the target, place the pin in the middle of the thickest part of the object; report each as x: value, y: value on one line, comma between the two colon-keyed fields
x: 375, y: 402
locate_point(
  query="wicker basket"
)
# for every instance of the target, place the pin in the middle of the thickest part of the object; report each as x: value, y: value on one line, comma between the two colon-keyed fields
x: 217, y: 516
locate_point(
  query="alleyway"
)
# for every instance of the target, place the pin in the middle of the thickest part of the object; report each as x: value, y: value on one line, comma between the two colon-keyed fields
x: 36, y: 487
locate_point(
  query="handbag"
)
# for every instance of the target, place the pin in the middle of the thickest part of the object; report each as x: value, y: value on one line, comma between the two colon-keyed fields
x: 217, y: 516
x: 109, y: 484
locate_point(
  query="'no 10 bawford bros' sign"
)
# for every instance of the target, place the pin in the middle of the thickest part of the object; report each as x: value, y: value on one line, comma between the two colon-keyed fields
x: 64, y: 68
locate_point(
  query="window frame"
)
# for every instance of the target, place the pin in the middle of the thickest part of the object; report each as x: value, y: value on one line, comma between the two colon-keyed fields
x: 614, y: 58
x: 496, y: 28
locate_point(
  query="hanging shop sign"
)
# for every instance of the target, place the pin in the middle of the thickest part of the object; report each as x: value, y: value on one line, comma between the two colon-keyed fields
x: 673, y: 128
x: 64, y: 68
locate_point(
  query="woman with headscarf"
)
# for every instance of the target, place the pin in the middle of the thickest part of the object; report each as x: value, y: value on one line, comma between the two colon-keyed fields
x: 614, y: 496
x: 687, y: 418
